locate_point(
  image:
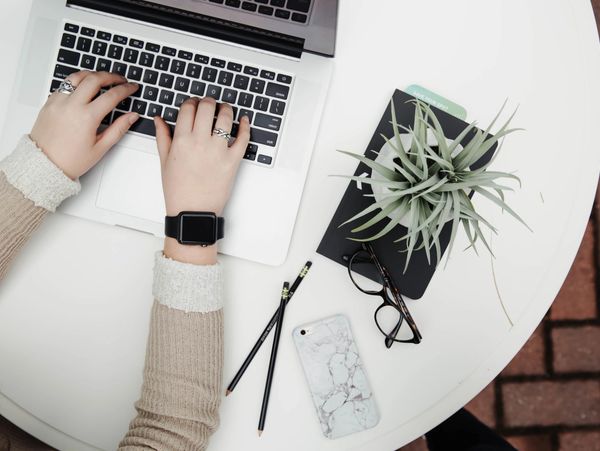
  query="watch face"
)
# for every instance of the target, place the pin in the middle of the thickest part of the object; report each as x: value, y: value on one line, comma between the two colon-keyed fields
x: 198, y: 228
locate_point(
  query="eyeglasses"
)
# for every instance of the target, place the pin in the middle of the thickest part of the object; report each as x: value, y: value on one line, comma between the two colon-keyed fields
x: 392, y: 317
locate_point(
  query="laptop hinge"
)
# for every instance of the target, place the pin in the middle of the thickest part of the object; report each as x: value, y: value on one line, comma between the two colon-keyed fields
x: 200, y: 24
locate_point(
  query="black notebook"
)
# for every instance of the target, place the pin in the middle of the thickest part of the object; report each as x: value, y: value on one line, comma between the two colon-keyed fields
x: 335, y: 243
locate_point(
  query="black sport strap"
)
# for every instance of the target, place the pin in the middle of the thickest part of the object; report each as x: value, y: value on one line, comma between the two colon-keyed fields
x: 172, y: 227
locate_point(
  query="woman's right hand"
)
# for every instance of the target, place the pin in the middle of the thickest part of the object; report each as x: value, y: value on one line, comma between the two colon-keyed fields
x: 198, y: 168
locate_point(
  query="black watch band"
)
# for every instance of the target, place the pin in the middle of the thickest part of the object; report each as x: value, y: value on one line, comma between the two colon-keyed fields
x: 195, y: 228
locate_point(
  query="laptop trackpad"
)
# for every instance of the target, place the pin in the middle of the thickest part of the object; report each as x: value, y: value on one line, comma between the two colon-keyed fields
x: 131, y: 184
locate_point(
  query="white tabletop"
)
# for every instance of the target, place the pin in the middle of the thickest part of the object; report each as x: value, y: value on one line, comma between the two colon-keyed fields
x: 74, y: 308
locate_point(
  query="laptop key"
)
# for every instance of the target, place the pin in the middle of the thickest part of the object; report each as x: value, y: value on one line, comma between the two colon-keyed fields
x: 184, y: 55
x: 229, y: 96
x: 134, y: 73
x: 267, y: 121
x: 198, y: 88
x: 209, y: 74
x: 217, y: 62
x: 225, y: 78
x: 248, y: 6
x: 147, y: 59
x: 68, y: 40
x: 261, y: 103
x: 233, y: 3
x: 257, y: 85
x: 136, y: 43
x: 182, y: 84
x: 245, y: 99
x: 115, y: 52
x: 162, y: 63
x: 88, y: 62
x: 144, y: 126
x: 241, y: 82
x: 166, y: 80
x: 166, y: 97
x: 282, y: 13
x: 202, y: 59
x: 277, y: 107
x: 150, y: 93
x: 266, y: 10
x: 265, y: 159
x: 103, y: 65
x: 170, y: 115
x: 250, y: 156
x: 152, y: 47
x: 282, y: 78
x: 68, y: 57
x: 297, y: 17
x: 236, y: 67
x: 277, y: 90
x: 178, y: 67
x: 104, y: 35
x: 278, y: 3
x: 88, y: 32
x: 120, y: 39
x: 84, y: 44
x: 139, y: 106
x: 180, y: 99
x: 193, y: 70
x: 72, y: 28
x: 119, y: 68
x: 247, y: 113
x: 216, y: 1
x: 155, y: 110
x: 99, y: 48
x: 131, y: 55
x: 251, y: 70
x: 299, y: 5
x: 267, y: 74
x: 63, y: 72
x: 213, y: 91
x: 125, y: 104
x: 54, y: 85
x: 150, y: 76
x: 169, y: 51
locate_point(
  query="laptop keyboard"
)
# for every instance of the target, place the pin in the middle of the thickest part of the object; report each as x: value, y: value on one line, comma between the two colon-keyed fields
x: 168, y: 76
x: 296, y: 11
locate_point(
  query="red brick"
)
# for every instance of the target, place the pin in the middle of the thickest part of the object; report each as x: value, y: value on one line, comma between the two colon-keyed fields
x: 584, y: 441
x: 483, y: 406
x: 419, y: 444
x: 577, y: 297
x: 530, y: 359
x: 576, y: 348
x: 550, y: 403
x: 531, y: 442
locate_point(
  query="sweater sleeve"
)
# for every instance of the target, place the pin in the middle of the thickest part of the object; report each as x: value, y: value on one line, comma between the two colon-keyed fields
x: 181, y: 392
x: 31, y: 186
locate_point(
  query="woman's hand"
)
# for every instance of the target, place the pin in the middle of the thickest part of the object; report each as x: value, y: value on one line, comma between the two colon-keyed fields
x: 198, y: 169
x: 67, y: 127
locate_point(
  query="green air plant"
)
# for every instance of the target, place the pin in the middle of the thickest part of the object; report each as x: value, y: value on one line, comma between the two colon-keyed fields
x: 427, y: 180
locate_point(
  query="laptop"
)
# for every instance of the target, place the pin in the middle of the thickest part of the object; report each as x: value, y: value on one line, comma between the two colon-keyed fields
x: 269, y: 59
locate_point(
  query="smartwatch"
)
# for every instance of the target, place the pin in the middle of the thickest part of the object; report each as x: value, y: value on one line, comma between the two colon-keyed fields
x: 199, y: 228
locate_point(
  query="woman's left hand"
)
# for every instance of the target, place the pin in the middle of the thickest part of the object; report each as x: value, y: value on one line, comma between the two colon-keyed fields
x: 67, y: 127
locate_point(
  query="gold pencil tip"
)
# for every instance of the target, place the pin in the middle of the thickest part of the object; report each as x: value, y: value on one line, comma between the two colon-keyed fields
x: 259, y: 433
x: 227, y: 393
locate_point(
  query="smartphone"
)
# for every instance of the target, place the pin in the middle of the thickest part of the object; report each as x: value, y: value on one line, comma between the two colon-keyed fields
x: 336, y: 377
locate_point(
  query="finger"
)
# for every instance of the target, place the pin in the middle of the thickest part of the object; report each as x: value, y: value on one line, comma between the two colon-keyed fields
x: 205, y: 117
x: 113, y: 134
x: 90, y: 85
x: 163, y: 139
x: 108, y: 101
x: 225, y: 118
x: 238, y: 148
x: 75, y: 78
x: 187, y: 114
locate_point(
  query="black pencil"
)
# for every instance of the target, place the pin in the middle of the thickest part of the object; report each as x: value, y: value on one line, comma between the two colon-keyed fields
x: 267, y: 330
x: 265, y: 403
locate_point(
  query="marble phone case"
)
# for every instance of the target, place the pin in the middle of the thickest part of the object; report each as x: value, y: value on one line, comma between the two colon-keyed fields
x: 336, y: 377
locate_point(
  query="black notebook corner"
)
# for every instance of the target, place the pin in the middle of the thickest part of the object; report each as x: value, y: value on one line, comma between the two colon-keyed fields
x: 336, y: 243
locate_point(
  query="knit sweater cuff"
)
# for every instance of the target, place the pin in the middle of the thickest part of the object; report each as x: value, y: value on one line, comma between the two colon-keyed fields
x: 187, y: 287
x: 30, y: 171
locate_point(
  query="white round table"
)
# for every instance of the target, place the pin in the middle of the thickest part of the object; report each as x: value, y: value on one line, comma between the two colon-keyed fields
x: 74, y: 308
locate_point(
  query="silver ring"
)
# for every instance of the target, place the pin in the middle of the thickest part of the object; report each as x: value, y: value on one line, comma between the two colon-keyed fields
x: 222, y: 134
x: 66, y: 87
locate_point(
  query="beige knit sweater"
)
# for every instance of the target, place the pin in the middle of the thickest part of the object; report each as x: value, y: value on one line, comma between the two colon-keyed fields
x: 181, y: 392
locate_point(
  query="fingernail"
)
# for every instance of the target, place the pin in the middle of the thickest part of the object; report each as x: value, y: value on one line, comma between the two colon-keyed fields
x: 133, y: 118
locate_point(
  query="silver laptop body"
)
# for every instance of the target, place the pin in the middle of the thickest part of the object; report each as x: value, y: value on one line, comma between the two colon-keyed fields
x: 274, y: 62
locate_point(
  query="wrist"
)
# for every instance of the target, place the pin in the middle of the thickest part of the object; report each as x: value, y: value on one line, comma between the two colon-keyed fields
x: 195, y: 255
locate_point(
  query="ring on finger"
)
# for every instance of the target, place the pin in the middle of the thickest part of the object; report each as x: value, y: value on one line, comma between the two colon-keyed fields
x: 66, y: 87
x: 223, y: 134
